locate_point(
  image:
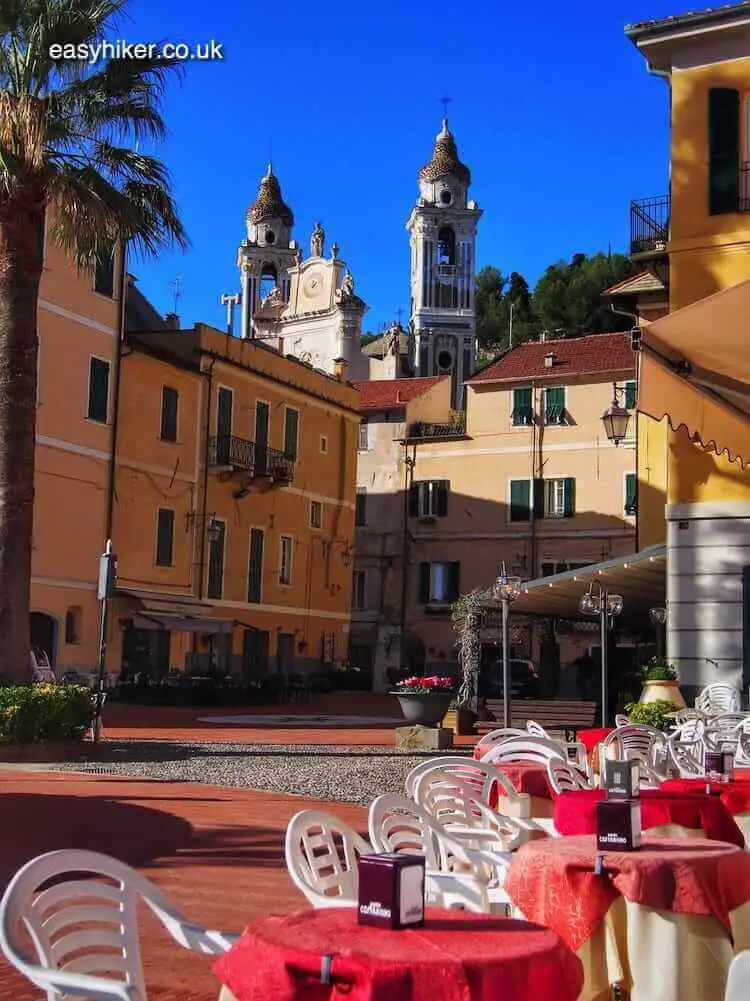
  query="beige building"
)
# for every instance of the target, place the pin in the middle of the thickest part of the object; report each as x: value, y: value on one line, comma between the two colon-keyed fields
x: 388, y: 407
x: 533, y: 482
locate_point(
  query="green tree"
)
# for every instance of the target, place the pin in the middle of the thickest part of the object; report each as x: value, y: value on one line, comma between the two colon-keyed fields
x: 67, y: 137
x: 490, y: 289
x: 567, y: 299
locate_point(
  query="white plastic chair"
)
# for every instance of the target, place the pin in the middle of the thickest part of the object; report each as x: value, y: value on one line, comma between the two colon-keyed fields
x: 82, y: 927
x: 634, y: 742
x: 532, y: 750
x: 483, y: 778
x: 321, y: 855
x: 455, y: 873
x: 738, y: 981
x: 496, y: 737
x: 621, y: 720
x: 565, y: 777
x: 719, y: 698
x: 575, y: 750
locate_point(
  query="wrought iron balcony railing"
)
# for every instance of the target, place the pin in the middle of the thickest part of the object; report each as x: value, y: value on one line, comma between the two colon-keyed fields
x: 424, y: 430
x: 246, y: 456
x: 649, y: 225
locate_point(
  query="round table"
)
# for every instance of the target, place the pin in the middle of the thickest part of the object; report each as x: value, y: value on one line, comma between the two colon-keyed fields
x: 592, y: 737
x: 672, y: 914
x: 699, y: 816
x: 455, y: 957
x: 529, y: 778
x: 735, y: 795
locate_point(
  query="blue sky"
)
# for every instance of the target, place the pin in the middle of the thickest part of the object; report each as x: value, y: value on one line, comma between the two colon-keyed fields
x: 553, y: 111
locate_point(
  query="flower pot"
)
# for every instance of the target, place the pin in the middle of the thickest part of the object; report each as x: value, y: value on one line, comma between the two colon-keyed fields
x: 667, y: 690
x: 460, y: 721
x: 424, y: 710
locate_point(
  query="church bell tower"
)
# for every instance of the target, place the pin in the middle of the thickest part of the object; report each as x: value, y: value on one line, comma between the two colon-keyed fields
x: 443, y: 228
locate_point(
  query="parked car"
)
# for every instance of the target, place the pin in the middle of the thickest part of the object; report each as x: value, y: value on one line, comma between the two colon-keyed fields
x: 524, y: 680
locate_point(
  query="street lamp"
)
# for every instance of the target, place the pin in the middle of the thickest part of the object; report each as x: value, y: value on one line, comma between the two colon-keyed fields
x: 615, y: 418
x: 506, y: 590
x: 658, y: 617
x: 607, y: 606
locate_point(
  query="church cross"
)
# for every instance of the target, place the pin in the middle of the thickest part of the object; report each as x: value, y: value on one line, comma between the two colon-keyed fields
x: 399, y: 314
x: 445, y: 101
x: 230, y: 301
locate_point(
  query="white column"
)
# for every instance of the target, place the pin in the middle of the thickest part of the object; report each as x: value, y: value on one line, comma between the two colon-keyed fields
x: 244, y: 287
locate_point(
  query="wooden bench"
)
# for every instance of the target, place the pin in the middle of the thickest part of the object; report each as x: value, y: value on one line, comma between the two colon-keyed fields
x: 566, y: 715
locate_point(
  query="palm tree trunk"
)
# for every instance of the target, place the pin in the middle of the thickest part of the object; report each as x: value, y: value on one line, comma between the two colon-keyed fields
x: 21, y: 227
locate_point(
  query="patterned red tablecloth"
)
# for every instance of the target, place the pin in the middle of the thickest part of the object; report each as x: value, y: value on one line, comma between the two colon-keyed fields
x: 592, y: 737
x: 525, y: 776
x: 553, y: 881
x: 575, y: 813
x: 735, y: 795
x: 455, y: 957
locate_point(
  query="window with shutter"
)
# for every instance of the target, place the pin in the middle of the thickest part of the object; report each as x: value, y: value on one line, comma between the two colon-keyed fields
x: 286, y: 549
x: 538, y: 499
x: 442, y: 498
x: 631, y: 493
x: 723, y: 150
x: 554, y: 405
x: 291, y: 433
x: 414, y: 500
x: 360, y: 510
x: 548, y: 569
x: 631, y: 395
x: 520, y: 500
x: 554, y: 498
x: 359, y: 599
x: 164, y: 537
x: 454, y: 581
x: 424, y: 583
x: 98, y: 407
x: 104, y: 275
x: 364, y: 436
x: 569, y: 494
x: 216, y: 560
x: 169, y: 400
x: 255, y: 572
x: 523, y: 410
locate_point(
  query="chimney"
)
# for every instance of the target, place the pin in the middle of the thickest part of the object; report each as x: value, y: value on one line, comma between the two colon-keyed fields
x: 340, y: 368
x: 549, y: 359
x: 172, y: 320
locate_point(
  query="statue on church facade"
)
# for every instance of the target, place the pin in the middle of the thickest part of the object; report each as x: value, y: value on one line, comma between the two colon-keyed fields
x: 347, y: 285
x: 393, y: 343
x: 317, y: 241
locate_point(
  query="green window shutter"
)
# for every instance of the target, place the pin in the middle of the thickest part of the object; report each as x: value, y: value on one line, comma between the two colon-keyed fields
x: 255, y: 574
x: 424, y: 583
x: 98, y: 409
x: 538, y: 506
x: 723, y: 150
x: 454, y: 581
x: 554, y: 405
x: 291, y: 432
x: 522, y: 406
x: 414, y: 500
x: 631, y: 395
x: 520, y: 500
x: 442, y: 498
x: 570, y: 497
x: 164, y: 537
x: 360, y: 511
x: 216, y: 562
x: 631, y: 493
x: 169, y: 401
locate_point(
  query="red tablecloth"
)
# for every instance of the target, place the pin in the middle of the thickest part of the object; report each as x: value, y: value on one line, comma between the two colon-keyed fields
x: 455, y: 957
x: 735, y: 795
x: 590, y: 738
x: 527, y: 777
x: 575, y: 813
x: 553, y: 881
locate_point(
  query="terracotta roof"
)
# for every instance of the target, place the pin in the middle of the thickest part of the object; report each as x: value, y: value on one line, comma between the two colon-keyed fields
x: 269, y: 204
x: 693, y: 17
x: 391, y: 394
x: 646, y: 281
x: 445, y: 162
x: 596, y: 354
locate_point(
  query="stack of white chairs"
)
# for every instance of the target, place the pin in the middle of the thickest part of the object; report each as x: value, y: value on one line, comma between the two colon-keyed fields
x: 565, y: 777
x: 79, y: 911
x: 716, y: 699
x: 686, y: 746
x: 490, y: 786
x: 572, y: 750
x: 644, y: 744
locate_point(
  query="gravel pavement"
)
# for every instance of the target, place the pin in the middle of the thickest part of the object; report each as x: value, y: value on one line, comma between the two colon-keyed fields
x: 335, y: 773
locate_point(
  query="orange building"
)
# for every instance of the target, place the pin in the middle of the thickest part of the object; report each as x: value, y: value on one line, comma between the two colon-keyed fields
x: 78, y: 325
x: 234, y: 515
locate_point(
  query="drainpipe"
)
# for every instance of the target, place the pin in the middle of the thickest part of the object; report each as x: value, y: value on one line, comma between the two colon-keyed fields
x: 111, y: 471
x: 202, y: 560
x: 409, y: 462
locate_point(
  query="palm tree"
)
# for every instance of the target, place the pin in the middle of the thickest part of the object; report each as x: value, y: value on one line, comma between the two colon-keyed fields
x: 69, y: 136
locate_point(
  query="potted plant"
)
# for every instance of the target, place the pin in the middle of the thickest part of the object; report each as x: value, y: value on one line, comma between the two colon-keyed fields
x: 425, y: 700
x: 459, y: 718
x: 656, y: 713
x: 660, y: 683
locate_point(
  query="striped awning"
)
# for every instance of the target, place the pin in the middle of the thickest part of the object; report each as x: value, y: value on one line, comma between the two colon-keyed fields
x: 695, y: 371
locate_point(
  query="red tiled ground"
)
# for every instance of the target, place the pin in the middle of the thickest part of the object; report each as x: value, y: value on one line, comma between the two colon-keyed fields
x: 218, y: 853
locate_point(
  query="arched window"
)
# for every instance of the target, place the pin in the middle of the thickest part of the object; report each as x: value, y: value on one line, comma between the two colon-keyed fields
x: 269, y: 279
x: 446, y: 246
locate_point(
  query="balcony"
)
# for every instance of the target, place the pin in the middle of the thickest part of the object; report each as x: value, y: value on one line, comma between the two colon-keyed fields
x: 425, y: 431
x: 649, y: 227
x: 226, y: 452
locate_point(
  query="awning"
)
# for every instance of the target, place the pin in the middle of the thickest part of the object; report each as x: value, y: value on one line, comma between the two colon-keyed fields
x: 174, y: 604
x: 695, y: 371
x: 639, y: 578
x: 182, y: 623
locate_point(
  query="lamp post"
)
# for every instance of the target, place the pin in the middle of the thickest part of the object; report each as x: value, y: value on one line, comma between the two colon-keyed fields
x: 105, y: 591
x: 506, y: 590
x: 616, y: 418
x: 658, y: 617
x: 607, y: 606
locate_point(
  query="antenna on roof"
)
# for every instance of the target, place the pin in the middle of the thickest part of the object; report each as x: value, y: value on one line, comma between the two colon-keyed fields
x: 399, y: 314
x: 176, y: 293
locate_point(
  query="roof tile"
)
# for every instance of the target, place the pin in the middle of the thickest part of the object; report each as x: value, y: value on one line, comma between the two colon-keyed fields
x: 391, y: 394
x: 595, y: 354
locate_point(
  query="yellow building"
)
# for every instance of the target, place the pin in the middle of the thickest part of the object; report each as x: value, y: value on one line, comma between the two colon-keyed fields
x: 234, y: 521
x: 531, y: 481
x: 78, y: 326
x: 690, y: 497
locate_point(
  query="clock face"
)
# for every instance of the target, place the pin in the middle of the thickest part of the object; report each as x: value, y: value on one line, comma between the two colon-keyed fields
x: 312, y: 286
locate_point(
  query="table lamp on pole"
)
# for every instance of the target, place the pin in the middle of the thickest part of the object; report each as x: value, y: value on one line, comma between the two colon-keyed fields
x: 506, y: 590
x: 607, y: 606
